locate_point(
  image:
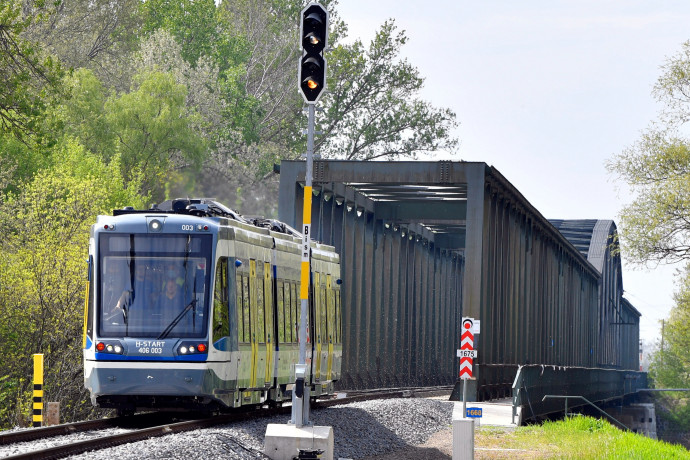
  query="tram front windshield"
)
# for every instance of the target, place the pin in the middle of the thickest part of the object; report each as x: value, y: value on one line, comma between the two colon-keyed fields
x: 153, y: 285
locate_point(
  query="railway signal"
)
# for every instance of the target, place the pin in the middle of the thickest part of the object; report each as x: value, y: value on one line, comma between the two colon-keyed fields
x: 312, y: 81
x: 466, y: 351
x: 314, y: 39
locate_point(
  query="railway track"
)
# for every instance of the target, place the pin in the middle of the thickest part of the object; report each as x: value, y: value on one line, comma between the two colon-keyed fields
x: 165, y: 423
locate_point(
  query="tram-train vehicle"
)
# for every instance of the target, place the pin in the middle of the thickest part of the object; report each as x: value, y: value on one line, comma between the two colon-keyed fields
x: 192, y: 306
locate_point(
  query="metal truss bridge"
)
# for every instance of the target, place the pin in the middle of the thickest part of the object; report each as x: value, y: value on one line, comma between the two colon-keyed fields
x: 424, y: 243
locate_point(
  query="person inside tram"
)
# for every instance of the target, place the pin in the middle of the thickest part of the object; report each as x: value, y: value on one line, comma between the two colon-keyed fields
x: 136, y: 297
x: 171, y: 298
x: 113, y: 283
x: 171, y: 304
x: 172, y: 272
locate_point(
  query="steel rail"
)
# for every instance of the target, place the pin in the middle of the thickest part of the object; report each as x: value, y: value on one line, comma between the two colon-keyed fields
x: 103, y: 442
x: 75, y: 427
x: 106, y: 441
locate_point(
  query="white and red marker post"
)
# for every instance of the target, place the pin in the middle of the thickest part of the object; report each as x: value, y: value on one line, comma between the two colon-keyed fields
x: 466, y: 353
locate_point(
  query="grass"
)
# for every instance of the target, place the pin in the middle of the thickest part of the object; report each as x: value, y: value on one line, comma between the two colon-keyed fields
x: 574, y: 438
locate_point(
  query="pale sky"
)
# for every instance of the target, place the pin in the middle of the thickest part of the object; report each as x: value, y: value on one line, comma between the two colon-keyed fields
x: 546, y: 91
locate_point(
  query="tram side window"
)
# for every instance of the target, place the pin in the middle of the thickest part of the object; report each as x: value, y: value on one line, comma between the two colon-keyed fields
x: 261, y: 332
x: 281, y: 311
x: 268, y: 303
x: 318, y: 309
x: 239, y: 307
x: 221, y: 320
x: 288, y: 313
x: 331, y: 315
x: 294, y: 326
x: 246, y: 310
x: 338, y: 319
x: 243, y: 330
x: 325, y: 313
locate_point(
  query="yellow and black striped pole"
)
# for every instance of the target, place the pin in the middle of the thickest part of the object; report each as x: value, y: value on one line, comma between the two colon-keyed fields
x: 300, y: 396
x: 38, y: 390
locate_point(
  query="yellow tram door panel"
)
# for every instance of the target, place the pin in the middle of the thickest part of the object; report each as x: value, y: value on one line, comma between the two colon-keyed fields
x: 318, y: 333
x: 268, y: 312
x: 253, y: 326
x: 86, y: 313
x: 330, y: 312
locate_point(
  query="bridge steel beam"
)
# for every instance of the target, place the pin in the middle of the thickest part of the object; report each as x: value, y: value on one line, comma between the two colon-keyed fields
x: 474, y: 246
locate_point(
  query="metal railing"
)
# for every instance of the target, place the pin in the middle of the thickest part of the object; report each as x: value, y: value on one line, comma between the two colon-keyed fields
x: 533, y: 382
x: 588, y: 402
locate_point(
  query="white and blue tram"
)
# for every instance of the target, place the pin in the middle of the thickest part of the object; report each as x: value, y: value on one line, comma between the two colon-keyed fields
x: 190, y: 305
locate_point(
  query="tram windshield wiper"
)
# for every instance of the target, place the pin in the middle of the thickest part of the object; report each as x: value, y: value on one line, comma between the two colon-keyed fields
x: 125, y: 311
x: 177, y: 319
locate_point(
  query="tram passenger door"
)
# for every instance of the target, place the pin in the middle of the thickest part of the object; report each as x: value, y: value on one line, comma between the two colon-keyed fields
x: 330, y: 314
x: 253, y: 321
x: 318, y: 334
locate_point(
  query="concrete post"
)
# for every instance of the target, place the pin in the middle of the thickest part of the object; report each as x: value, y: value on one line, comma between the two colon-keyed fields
x: 52, y: 414
x: 463, y: 435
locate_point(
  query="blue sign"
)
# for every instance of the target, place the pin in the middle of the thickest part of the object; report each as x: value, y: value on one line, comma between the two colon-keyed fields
x: 474, y: 412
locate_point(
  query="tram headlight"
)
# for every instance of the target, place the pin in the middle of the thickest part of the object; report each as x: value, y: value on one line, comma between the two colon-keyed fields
x: 192, y: 348
x: 155, y: 225
x: 110, y: 346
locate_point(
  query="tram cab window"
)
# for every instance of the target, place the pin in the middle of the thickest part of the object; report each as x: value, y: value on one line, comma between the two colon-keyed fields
x: 145, y: 283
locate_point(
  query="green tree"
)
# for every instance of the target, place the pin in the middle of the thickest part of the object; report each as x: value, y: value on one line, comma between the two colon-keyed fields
x: 154, y: 130
x: 81, y: 113
x: 670, y: 365
x: 373, y: 109
x: 655, y: 226
x: 28, y: 76
x: 161, y: 53
x: 191, y: 22
x: 99, y: 35
x: 150, y: 128
x: 45, y: 227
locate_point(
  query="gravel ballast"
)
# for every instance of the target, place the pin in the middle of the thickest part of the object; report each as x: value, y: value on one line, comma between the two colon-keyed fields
x: 361, y: 429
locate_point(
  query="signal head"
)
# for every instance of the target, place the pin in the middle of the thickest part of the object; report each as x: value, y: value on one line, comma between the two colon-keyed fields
x: 314, y: 28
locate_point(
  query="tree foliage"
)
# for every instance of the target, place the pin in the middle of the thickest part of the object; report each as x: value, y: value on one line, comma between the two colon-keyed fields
x: 98, y: 35
x: 191, y: 22
x: 28, y: 75
x: 153, y: 128
x: 670, y: 367
x: 379, y: 114
x: 105, y: 104
x: 656, y: 225
x: 42, y: 276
